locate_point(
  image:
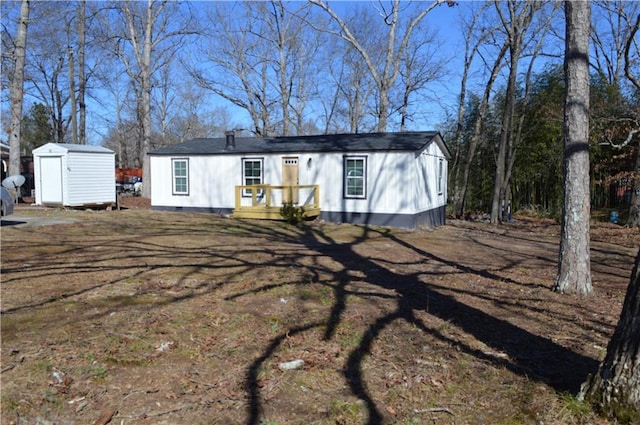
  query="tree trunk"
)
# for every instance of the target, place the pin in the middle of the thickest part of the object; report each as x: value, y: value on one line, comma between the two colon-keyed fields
x: 82, y: 83
x: 460, y: 187
x: 72, y: 98
x: 474, y: 140
x: 16, y: 90
x: 145, y: 67
x: 574, y: 269
x: 615, y: 389
x: 383, y: 98
x: 506, y: 136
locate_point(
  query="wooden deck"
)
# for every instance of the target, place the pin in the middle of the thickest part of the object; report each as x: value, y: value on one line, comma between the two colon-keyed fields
x: 264, y: 201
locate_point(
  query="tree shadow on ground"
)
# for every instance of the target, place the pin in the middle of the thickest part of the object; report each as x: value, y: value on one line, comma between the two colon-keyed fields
x: 525, y: 353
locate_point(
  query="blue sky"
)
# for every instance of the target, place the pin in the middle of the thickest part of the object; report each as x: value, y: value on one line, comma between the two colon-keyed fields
x: 443, y: 20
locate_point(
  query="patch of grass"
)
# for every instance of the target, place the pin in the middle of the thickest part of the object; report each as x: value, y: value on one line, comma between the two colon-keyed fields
x: 325, y: 296
x: 50, y: 395
x: 275, y: 324
x: 444, y: 327
x: 43, y: 366
x: 307, y: 294
x: 572, y: 408
x: 627, y: 415
x: 125, y: 362
x: 127, y: 350
x: 130, y: 281
x: 14, y: 326
x: 346, y: 412
x: 124, y: 301
x: 412, y: 421
x: 347, y: 336
x: 315, y: 293
x: 11, y: 405
x: 99, y: 373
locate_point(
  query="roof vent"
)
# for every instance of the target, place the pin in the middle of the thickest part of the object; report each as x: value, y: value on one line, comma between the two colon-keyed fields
x: 230, y: 140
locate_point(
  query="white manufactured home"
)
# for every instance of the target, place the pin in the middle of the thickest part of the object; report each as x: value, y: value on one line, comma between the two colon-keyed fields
x: 74, y: 175
x: 387, y: 179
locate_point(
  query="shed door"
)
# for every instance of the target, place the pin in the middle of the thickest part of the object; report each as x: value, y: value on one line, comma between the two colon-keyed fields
x: 51, y: 179
x: 290, y: 178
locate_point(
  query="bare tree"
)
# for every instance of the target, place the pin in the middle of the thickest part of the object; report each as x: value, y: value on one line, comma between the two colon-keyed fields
x: 77, y: 103
x: 122, y: 133
x: 473, y: 42
x: 356, y: 89
x: 72, y: 97
x: 343, y: 92
x: 353, y: 105
x: 615, y: 23
x: 355, y: 86
x: 188, y: 122
x: 16, y: 88
x: 516, y: 26
x: 291, y: 58
x: 419, y: 67
x: 278, y: 25
x: 517, y: 130
x: 386, y: 74
x: 82, y: 76
x: 53, y: 54
x: 144, y: 36
x: 50, y: 68
x: 163, y: 103
x: 574, y: 265
x: 231, y: 48
x: 265, y: 62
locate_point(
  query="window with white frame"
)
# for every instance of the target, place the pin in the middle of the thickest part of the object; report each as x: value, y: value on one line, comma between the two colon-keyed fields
x: 252, y: 173
x: 180, y: 172
x: 355, y: 176
x: 440, y: 176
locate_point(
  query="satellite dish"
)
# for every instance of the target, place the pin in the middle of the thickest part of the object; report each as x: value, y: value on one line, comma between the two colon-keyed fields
x: 13, y: 182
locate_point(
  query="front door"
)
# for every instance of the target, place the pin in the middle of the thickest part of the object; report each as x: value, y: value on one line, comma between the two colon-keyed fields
x: 290, y: 178
x: 51, y: 179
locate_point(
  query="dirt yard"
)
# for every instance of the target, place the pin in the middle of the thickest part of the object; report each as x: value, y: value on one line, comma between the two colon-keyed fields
x: 143, y: 317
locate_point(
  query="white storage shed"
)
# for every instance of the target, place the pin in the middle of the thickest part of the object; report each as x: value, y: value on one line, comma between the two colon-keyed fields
x: 74, y: 175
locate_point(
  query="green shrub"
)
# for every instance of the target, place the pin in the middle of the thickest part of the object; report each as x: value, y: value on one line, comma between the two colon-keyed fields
x: 292, y: 213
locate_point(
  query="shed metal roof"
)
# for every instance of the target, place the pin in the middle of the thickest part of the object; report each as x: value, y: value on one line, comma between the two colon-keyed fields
x: 69, y: 147
x: 405, y: 141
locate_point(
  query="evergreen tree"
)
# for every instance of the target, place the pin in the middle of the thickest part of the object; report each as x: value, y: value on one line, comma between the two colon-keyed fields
x: 36, y: 128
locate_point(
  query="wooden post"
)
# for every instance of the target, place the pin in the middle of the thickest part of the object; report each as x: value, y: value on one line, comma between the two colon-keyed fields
x: 238, y: 197
x: 267, y: 190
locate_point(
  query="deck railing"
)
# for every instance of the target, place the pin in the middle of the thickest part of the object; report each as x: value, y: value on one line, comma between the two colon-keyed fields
x: 265, y: 201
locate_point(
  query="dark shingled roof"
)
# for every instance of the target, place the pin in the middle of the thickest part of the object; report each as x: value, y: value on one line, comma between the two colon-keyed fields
x: 406, y: 141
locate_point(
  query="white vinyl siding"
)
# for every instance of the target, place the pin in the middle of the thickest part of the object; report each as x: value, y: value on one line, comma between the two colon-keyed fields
x: 393, y: 183
x: 74, y: 175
